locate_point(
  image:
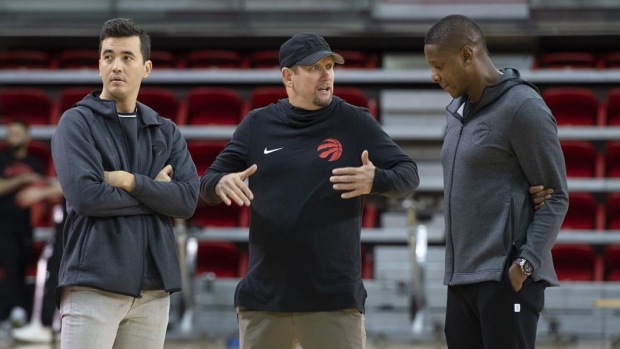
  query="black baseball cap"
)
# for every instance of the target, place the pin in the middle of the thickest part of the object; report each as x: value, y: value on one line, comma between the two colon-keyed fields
x: 306, y: 49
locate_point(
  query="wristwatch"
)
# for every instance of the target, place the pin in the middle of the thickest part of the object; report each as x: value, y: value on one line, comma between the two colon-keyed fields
x: 526, y: 267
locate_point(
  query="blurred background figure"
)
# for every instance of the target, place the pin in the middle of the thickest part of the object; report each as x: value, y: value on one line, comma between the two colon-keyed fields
x: 18, y: 169
x: 44, y: 320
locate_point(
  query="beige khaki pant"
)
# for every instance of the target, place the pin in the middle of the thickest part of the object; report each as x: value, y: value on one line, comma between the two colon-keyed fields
x: 94, y: 319
x: 343, y: 329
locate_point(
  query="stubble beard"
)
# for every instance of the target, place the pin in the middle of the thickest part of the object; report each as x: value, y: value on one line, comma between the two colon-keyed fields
x: 322, y: 102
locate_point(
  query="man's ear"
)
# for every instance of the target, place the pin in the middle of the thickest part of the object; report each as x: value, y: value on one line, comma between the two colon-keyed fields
x: 148, y: 66
x: 287, y: 77
x: 467, y: 54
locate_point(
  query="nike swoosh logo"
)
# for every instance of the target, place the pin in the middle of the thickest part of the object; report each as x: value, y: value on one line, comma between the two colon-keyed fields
x: 270, y: 151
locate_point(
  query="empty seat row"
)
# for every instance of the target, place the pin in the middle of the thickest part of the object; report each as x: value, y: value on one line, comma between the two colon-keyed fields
x: 230, y: 59
x: 582, y: 262
x: 226, y: 259
x: 202, y: 105
x: 584, y: 161
x: 570, y: 106
x: 578, y: 60
x: 585, y: 212
x: 576, y: 262
x: 578, y: 106
x: 198, y: 59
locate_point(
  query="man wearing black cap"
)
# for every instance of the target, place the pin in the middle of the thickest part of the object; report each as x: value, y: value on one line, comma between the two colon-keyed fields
x: 311, y: 158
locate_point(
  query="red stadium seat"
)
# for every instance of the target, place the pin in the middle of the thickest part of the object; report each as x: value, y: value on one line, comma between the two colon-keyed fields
x: 581, y: 159
x: 573, y: 60
x: 25, y: 103
x: 213, y: 106
x: 613, y: 211
x: 370, y: 215
x: 583, y: 212
x: 612, y: 109
x: 163, y: 60
x: 573, y: 106
x: 164, y: 102
x: 612, y: 60
x: 266, y: 59
x: 357, y: 60
x: 263, y: 96
x: 24, y: 59
x: 204, y: 153
x: 356, y: 96
x: 367, y: 262
x: 215, y: 59
x: 613, y: 159
x: 577, y: 263
x: 68, y: 97
x: 215, y: 215
x: 78, y: 59
x: 612, y: 263
x: 220, y: 258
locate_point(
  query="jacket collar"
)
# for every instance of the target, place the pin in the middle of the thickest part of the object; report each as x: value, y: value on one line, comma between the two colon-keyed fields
x: 107, y: 109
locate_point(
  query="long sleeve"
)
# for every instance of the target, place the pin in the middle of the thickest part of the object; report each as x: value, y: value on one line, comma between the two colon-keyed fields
x: 232, y: 159
x: 396, y: 174
x: 176, y: 198
x: 80, y: 171
x: 534, y: 139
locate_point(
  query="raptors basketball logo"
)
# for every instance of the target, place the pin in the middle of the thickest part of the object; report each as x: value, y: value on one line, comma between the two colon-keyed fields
x: 330, y: 149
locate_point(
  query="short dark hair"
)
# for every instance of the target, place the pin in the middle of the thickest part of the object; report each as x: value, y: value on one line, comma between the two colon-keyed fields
x: 124, y: 27
x: 455, y: 31
x: 21, y: 122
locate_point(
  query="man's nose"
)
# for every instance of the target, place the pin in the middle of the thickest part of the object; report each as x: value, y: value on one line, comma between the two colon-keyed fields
x: 116, y: 65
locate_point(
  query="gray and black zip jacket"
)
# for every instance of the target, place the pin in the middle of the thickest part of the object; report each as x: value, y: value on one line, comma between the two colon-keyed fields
x: 107, y: 228
x: 490, y: 157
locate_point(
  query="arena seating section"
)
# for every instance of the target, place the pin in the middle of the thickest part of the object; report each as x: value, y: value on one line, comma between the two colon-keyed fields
x: 577, y: 106
x: 216, y: 105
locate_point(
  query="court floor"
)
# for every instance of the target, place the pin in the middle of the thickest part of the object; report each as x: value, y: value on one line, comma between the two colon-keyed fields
x: 221, y: 344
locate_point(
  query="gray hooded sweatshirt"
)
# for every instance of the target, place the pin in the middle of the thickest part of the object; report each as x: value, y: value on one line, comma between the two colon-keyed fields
x: 507, y: 142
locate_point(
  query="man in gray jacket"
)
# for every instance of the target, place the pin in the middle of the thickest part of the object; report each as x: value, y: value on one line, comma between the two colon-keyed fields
x: 501, y: 138
x: 124, y: 171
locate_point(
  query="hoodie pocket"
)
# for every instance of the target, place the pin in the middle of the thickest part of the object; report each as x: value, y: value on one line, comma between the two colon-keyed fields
x: 87, y: 233
x: 509, y: 231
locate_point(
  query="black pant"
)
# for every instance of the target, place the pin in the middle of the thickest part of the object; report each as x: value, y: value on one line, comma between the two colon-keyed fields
x: 53, y: 266
x: 15, y: 251
x: 491, y: 315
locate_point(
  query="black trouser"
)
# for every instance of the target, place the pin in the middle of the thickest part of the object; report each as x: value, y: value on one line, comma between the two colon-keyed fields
x: 491, y: 315
x: 53, y: 266
x: 15, y: 251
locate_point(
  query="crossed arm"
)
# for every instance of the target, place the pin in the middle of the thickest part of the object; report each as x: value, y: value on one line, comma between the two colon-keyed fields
x: 127, y: 181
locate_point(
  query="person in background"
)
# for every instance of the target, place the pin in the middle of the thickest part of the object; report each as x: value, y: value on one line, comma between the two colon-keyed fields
x: 18, y: 169
x: 42, y: 328
x: 501, y: 138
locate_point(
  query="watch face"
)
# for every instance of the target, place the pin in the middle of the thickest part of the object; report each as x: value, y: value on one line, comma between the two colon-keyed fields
x: 526, y: 267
